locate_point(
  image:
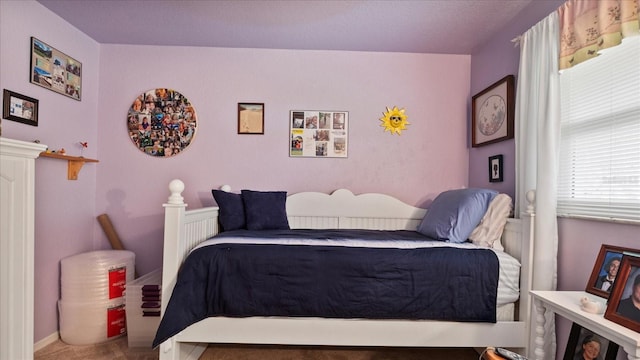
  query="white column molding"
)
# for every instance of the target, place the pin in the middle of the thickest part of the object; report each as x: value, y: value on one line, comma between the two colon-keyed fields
x: 17, y: 219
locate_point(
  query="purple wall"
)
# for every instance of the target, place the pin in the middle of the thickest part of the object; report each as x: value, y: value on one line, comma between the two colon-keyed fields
x: 579, y: 240
x: 131, y: 186
x: 490, y: 63
x: 429, y: 157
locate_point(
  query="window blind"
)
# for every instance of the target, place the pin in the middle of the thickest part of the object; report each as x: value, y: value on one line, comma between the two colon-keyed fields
x: 599, y: 174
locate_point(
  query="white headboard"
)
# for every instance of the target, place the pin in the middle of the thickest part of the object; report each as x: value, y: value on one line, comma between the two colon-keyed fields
x: 344, y: 210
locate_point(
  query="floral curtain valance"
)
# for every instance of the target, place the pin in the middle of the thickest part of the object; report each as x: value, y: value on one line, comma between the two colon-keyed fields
x: 588, y: 26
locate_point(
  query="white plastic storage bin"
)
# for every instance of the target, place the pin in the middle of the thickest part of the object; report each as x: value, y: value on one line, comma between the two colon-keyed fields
x: 96, y: 276
x: 92, y: 303
x: 86, y: 323
x: 143, y: 297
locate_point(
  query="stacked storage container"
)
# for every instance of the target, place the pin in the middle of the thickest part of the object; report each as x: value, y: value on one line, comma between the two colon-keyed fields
x: 143, y: 298
x: 92, y: 303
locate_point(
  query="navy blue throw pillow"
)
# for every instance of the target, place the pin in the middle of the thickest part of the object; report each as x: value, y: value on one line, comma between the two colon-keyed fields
x: 265, y: 210
x: 231, y: 214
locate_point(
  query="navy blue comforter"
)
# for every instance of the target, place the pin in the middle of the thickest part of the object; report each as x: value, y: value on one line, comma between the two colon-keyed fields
x: 241, y: 280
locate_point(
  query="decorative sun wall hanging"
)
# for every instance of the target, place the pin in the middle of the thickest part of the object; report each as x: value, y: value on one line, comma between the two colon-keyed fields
x: 161, y: 122
x: 394, y: 120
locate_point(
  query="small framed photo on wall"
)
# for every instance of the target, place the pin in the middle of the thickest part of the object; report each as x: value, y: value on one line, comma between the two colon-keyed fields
x: 584, y: 344
x: 251, y: 118
x: 606, y: 269
x: 20, y: 108
x: 621, y: 307
x: 495, y: 168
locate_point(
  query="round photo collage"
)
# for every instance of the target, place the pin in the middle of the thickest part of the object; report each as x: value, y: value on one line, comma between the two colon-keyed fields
x: 161, y: 122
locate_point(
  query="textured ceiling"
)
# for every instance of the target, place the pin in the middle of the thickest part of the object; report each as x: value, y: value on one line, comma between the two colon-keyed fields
x: 424, y: 26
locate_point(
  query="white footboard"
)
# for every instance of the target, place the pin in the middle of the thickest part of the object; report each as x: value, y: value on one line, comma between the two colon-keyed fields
x: 185, y: 229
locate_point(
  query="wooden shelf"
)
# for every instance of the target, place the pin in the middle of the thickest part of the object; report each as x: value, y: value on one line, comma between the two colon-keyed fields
x: 75, y: 163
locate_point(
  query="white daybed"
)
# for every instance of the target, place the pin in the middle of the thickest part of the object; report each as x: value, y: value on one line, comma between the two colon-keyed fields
x: 183, y: 230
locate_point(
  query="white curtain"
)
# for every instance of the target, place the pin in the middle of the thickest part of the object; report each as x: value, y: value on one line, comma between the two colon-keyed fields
x: 537, y: 146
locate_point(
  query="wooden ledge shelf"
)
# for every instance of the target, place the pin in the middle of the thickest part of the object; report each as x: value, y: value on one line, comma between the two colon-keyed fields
x: 75, y: 163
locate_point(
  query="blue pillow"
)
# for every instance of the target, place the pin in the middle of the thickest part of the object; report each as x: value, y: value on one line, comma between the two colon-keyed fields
x: 265, y: 210
x: 231, y: 213
x: 455, y: 213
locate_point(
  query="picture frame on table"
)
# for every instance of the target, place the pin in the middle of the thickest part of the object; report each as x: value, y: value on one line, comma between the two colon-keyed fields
x: 605, y: 270
x: 495, y: 168
x: 251, y: 118
x: 492, y: 113
x: 626, y: 292
x: 583, y: 340
x: 20, y: 108
x: 54, y: 70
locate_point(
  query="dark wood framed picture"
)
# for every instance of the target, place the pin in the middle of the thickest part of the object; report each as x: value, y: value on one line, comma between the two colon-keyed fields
x: 20, y: 108
x: 606, y: 269
x: 584, y: 342
x: 55, y: 70
x: 495, y: 168
x: 492, y: 113
x: 251, y: 118
x: 622, y: 307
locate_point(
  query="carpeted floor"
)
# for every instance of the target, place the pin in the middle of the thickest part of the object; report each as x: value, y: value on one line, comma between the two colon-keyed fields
x: 234, y: 352
x: 118, y: 350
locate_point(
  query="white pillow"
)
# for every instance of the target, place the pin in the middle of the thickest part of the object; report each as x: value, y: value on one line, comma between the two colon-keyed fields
x: 489, y: 231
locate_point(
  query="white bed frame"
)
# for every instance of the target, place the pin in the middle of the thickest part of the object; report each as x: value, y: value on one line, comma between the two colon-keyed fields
x: 185, y: 229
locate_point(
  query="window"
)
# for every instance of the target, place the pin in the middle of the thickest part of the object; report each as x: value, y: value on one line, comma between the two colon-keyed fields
x: 599, y: 173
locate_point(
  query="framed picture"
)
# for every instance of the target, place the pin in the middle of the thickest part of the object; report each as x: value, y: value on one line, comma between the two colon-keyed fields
x: 251, y: 118
x: 20, y: 108
x: 605, y: 270
x: 582, y: 341
x: 495, y: 168
x: 55, y: 70
x: 621, y: 307
x: 321, y: 134
x: 492, y: 113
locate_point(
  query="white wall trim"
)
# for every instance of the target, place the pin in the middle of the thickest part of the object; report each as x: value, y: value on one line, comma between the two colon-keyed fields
x: 46, y: 341
x: 17, y: 238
